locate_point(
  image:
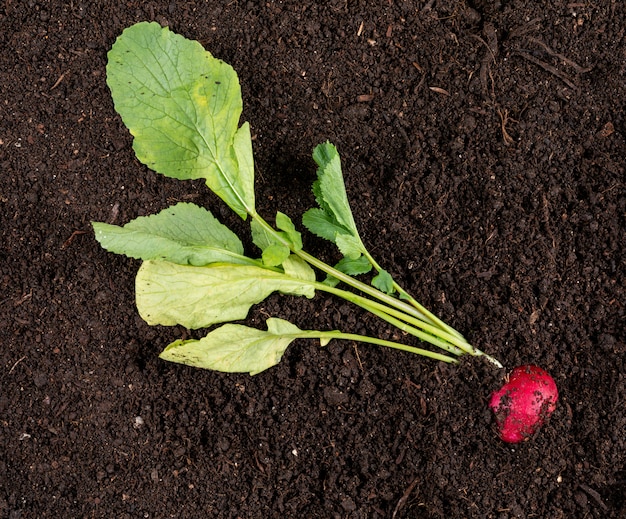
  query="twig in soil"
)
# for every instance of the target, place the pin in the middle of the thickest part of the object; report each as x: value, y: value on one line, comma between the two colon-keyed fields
x: 504, y: 118
x: 25, y: 297
x: 58, y: 81
x: 492, y: 47
x: 567, y: 61
x: 594, y: 495
x: 15, y: 365
x: 358, y: 357
x: 547, y: 67
x: 405, y: 497
x: 69, y: 241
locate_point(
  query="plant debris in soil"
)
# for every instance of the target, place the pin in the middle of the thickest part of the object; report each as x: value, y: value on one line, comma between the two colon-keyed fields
x: 485, y: 141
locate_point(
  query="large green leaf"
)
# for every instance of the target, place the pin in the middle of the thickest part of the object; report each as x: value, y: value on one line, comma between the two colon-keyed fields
x: 198, y: 297
x: 234, y: 348
x: 184, y: 233
x: 182, y: 106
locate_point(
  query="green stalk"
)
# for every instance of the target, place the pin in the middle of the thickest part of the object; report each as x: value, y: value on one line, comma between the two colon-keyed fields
x: 432, y: 318
x: 344, y: 278
x: 372, y: 340
x: 438, y: 328
x: 424, y: 331
x: 398, y: 308
x: 455, y: 344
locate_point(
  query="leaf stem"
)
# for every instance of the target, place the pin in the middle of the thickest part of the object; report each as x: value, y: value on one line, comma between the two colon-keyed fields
x: 373, y: 340
x: 394, y: 306
x: 427, y: 315
x: 404, y: 322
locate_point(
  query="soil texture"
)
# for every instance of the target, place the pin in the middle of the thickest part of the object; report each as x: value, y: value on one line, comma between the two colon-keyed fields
x: 483, y: 147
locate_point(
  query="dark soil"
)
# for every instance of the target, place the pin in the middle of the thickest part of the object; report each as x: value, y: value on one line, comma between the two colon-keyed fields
x: 483, y: 147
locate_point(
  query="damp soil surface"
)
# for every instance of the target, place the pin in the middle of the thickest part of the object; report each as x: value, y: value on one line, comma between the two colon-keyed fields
x: 483, y: 146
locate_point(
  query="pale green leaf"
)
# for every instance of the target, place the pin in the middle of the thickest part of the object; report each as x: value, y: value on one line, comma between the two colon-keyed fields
x: 198, y: 297
x: 297, y: 268
x: 273, y: 251
x: 182, y: 106
x: 234, y: 348
x: 350, y: 246
x: 260, y: 237
x: 284, y: 223
x: 184, y: 233
x: 243, y: 178
x: 383, y: 282
x: 274, y: 254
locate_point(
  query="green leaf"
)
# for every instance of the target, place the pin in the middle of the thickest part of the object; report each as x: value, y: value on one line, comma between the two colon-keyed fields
x: 333, y: 220
x: 234, y: 348
x: 284, y: 223
x: 297, y: 268
x: 383, y: 282
x: 182, y: 106
x: 350, y: 246
x: 198, y: 297
x: 274, y: 250
x: 274, y: 254
x: 331, y: 188
x: 354, y: 267
x: 243, y: 178
x: 322, y: 224
x: 260, y: 237
x: 184, y: 233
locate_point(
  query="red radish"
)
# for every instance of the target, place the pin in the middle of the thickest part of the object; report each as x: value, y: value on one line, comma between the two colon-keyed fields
x: 523, y: 403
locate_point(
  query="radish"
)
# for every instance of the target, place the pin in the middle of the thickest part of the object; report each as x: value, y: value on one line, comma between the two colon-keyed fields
x: 523, y: 404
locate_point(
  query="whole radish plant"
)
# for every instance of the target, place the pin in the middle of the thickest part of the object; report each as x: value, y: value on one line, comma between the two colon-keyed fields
x: 182, y: 107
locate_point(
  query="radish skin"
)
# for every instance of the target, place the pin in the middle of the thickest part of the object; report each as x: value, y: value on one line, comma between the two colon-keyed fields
x: 522, y: 405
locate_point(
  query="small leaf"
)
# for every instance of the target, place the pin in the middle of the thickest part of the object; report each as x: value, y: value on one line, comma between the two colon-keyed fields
x: 198, y: 297
x: 297, y: 268
x: 354, y: 267
x: 322, y: 224
x: 274, y: 254
x: 234, y: 348
x: 331, y: 188
x: 331, y: 281
x: 350, y: 246
x: 284, y: 223
x: 184, y: 233
x: 275, y: 251
x: 383, y: 282
x: 260, y: 237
